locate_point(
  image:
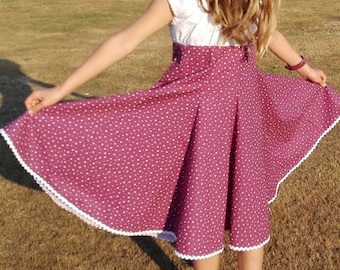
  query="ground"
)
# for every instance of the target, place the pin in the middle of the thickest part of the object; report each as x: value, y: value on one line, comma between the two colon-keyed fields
x: 42, y: 41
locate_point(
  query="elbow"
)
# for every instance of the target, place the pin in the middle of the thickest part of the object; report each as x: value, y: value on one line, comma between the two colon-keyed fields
x: 272, y: 39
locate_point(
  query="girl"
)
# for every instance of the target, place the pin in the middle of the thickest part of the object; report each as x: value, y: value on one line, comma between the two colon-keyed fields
x: 201, y: 152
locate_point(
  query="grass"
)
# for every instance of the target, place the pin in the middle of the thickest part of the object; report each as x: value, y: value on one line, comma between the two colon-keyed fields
x: 43, y: 41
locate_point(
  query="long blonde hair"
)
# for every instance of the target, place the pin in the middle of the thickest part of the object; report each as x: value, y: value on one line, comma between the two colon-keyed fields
x: 236, y: 18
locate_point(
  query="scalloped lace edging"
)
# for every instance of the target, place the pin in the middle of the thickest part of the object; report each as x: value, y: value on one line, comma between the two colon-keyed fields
x: 304, y: 158
x: 64, y: 203
x: 188, y: 257
x: 164, y: 235
x: 192, y: 258
x: 249, y: 248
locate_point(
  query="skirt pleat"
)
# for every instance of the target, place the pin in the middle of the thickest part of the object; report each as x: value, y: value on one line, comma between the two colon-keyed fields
x: 202, y: 151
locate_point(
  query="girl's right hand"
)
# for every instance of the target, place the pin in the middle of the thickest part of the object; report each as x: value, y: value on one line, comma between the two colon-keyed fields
x: 42, y: 98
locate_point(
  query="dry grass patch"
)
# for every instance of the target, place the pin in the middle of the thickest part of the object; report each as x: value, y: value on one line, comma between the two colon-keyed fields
x: 43, y: 41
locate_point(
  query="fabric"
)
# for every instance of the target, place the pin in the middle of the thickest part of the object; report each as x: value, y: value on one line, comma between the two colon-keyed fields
x: 201, y: 152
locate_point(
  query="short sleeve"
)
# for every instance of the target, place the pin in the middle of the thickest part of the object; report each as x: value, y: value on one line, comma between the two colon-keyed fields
x: 183, y: 8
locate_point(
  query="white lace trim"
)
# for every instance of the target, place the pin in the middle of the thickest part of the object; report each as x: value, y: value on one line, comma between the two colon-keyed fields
x: 249, y: 248
x: 164, y: 235
x: 304, y: 158
x: 64, y: 203
x: 193, y: 258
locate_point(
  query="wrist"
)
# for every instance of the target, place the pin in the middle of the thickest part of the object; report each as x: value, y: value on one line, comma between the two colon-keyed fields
x: 304, y: 71
x: 297, y: 66
x: 63, y: 90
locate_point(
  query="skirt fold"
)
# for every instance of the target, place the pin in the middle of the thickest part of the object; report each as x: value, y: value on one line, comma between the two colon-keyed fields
x: 202, y: 151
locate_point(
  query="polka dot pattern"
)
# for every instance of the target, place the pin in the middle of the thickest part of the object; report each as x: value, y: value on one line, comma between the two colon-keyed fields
x: 201, y: 152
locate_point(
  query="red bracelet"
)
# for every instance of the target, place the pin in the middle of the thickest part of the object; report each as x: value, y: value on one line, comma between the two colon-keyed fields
x: 298, y: 66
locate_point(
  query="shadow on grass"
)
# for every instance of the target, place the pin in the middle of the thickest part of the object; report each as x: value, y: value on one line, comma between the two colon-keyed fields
x: 151, y: 248
x: 333, y: 18
x: 15, y: 86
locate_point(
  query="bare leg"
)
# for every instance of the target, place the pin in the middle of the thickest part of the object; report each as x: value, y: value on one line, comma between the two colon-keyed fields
x: 250, y: 260
x: 207, y: 264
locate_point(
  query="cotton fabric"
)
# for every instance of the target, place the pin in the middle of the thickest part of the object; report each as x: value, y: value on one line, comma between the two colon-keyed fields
x: 200, y: 152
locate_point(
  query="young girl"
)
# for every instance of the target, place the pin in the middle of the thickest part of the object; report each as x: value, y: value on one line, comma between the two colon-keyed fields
x: 201, y: 152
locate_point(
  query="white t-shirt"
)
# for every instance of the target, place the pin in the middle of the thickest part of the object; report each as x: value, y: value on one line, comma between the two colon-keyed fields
x: 191, y: 25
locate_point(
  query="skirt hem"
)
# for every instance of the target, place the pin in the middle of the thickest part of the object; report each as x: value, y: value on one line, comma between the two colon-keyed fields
x: 192, y: 258
x: 161, y: 234
x: 249, y: 248
x: 304, y: 158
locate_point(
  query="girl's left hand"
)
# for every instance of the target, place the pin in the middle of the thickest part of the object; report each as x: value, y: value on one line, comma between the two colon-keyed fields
x: 313, y: 75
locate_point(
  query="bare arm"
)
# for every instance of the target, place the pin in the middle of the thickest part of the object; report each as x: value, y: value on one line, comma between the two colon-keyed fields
x: 283, y: 50
x: 156, y: 16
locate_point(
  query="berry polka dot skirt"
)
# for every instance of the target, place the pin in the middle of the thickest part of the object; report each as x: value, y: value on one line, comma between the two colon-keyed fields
x: 203, y: 151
